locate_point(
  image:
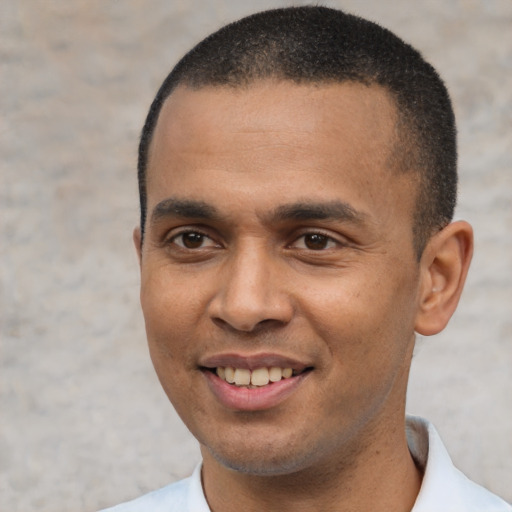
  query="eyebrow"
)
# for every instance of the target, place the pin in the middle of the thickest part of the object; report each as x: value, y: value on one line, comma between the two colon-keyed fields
x: 183, y: 209
x: 332, y: 210
x: 303, y: 211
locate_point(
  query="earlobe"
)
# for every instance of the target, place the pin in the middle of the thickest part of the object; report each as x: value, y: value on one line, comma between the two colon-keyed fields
x: 137, y: 241
x: 444, y: 266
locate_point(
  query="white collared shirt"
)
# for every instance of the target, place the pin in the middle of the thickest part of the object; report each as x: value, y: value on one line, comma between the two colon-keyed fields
x: 444, y: 487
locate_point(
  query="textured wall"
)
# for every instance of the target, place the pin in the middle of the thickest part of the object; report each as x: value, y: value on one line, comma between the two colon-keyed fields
x: 84, y: 422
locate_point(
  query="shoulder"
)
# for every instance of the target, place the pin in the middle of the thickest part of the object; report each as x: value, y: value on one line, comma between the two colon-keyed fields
x: 444, y: 487
x: 182, y: 496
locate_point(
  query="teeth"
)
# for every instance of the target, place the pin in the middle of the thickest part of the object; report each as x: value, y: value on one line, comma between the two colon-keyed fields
x: 242, y: 377
x: 275, y: 374
x: 230, y: 374
x: 260, y: 377
x: 256, y: 378
x: 287, y: 373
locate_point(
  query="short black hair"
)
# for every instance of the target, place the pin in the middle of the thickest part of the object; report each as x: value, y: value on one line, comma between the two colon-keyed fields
x: 314, y: 45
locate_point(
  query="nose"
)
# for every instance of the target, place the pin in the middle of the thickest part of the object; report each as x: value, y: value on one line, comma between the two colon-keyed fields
x: 251, y: 293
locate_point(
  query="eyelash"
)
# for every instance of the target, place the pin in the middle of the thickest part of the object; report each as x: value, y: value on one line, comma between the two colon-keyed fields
x: 172, y: 239
x: 324, y: 237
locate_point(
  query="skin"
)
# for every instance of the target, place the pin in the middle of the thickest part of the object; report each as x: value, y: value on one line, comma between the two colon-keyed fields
x: 274, y: 268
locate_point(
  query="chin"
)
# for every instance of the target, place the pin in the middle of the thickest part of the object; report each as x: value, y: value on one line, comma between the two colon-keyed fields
x: 259, y: 467
x: 265, y: 460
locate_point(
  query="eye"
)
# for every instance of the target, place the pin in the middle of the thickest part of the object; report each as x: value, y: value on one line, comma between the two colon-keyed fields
x: 193, y: 240
x: 315, y: 242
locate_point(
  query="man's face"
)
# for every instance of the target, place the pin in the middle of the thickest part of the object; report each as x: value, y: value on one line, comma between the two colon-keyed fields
x: 279, y: 237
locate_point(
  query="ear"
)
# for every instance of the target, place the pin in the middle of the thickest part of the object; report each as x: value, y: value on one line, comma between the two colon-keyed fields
x: 137, y: 241
x: 444, y: 266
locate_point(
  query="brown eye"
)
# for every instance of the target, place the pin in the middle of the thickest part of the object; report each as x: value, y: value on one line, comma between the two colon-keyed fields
x: 193, y: 240
x: 316, y: 241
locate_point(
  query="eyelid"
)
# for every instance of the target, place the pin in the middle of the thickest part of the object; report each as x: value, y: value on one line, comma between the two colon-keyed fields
x: 180, y: 231
x: 315, y: 231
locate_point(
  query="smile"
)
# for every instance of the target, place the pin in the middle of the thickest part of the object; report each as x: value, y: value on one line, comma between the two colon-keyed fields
x: 253, y: 378
x: 261, y: 388
x: 254, y: 382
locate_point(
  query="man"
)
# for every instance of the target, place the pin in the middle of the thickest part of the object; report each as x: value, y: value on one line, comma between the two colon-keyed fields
x: 297, y: 175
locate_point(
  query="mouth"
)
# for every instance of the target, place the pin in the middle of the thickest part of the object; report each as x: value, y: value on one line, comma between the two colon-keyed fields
x: 254, y: 382
x: 257, y: 378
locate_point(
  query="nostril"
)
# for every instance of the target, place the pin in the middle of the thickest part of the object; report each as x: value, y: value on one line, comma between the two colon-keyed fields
x: 247, y: 328
x: 248, y: 299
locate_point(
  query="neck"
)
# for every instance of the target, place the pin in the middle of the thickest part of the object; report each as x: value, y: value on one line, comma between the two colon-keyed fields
x: 381, y: 476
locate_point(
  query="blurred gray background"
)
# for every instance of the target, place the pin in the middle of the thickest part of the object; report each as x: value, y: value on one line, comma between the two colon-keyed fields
x: 84, y: 422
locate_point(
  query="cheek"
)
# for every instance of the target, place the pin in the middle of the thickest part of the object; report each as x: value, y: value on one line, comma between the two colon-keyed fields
x: 168, y: 338
x: 167, y: 300
x: 362, y: 312
x: 164, y: 318
x: 347, y: 301
x: 173, y: 305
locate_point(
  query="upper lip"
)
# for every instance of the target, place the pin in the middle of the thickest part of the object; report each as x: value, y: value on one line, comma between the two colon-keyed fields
x: 252, y: 361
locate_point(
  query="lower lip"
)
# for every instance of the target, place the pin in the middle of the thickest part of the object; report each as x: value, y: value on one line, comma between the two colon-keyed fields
x: 253, y: 399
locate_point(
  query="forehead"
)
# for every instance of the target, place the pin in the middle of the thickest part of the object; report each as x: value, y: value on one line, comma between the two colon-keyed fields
x: 280, y: 137
x: 346, y: 110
